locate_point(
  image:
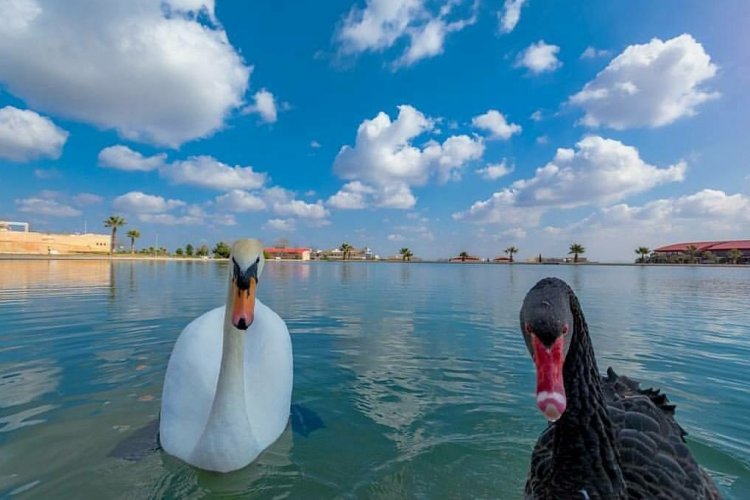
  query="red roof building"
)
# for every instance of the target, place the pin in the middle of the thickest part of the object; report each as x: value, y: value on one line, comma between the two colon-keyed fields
x: 704, y: 246
x: 287, y: 253
x: 705, y: 251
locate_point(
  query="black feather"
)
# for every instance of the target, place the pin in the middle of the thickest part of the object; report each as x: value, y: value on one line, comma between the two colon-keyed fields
x: 615, y: 440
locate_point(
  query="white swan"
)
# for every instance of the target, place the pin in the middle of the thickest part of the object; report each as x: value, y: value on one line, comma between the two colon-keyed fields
x: 228, y: 386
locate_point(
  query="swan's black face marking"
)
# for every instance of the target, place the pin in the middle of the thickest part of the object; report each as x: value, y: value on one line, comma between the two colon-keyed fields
x: 242, y: 278
x: 546, y: 313
x: 547, y: 324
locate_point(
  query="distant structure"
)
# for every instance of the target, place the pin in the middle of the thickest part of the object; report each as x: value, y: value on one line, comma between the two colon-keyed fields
x: 336, y: 254
x: 277, y: 253
x: 719, y: 250
x: 24, y: 241
x: 467, y: 258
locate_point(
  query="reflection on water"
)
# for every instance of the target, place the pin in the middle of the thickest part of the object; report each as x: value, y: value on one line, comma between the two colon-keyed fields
x: 418, y: 372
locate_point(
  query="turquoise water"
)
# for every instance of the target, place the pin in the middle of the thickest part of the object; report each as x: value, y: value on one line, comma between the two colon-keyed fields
x: 417, y: 371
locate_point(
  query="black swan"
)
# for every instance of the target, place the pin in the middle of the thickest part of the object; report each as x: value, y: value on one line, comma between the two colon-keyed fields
x: 608, y: 438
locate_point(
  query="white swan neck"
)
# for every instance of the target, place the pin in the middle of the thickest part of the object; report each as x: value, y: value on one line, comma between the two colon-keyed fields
x: 227, y: 428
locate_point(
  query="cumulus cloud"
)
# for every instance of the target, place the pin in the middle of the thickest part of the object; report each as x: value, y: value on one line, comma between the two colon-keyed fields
x: 495, y: 171
x: 396, y: 237
x: 136, y: 202
x: 536, y: 115
x: 26, y: 135
x: 281, y: 225
x: 381, y: 23
x: 46, y: 206
x: 314, y: 144
x: 283, y: 202
x: 352, y: 196
x: 265, y: 106
x: 496, y: 124
x: 594, y: 53
x: 539, y: 58
x: 387, y: 164
x: 509, y: 16
x: 154, y: 209
x: 598, y: 171
x: 237, y: 200
x: 158, y: 72
x: 208, y: 172
x: 648, y: 85
x: 124, y: 158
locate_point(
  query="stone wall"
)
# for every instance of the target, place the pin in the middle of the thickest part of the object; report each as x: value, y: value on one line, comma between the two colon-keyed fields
x: 19, y: 242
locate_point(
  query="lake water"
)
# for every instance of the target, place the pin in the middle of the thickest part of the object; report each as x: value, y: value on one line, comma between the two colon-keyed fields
x: 417, y: 371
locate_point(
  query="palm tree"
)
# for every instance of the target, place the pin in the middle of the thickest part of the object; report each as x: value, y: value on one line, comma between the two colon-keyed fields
x: 464, y: 255
x: 347, y: 249
x: 406, y: 254
x: 576, y: 249
x: 735, y: 255
x: 642, y: 251
x: 510, y: 251
x: 692, y: 251
x: 133, y: 234
x: 114, y: 221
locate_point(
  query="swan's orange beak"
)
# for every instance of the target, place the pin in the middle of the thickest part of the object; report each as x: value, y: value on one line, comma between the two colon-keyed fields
x: 243, y: 308
x: 550, y: 389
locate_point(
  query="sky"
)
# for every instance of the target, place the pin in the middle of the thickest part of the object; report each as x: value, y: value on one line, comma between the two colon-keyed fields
x: 438, y: 126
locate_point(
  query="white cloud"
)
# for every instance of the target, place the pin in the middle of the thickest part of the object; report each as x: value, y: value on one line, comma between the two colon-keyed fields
x: 151, y: 70
x: 598, y: 171
x: 47, y: 173
x: 593, y: 53
x: 385, y: 161
x: 396, y: 237
x: 314, y: 144
x: 46, y: 206
x: 542, y: 139
x: 352, y: 196
x: 495, y: 171
x: 25, y: 135
x: 284, y: 203
x: 494, y: 122
x: 705, y: 215
x: 83, y: 199
x: 648, y: 85
x: 381, y: 23
x: 208, y: 172
x: 510, y: 15
x: 539, y: 57
x: 237, y: 200
x: 124, y: 158
x: 265, y: 106
x: 281, y: 225
x: 136, y: 202
x: 536, y: 115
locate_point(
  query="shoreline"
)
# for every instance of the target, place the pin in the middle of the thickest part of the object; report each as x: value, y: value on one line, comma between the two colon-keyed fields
x: 148, y: 258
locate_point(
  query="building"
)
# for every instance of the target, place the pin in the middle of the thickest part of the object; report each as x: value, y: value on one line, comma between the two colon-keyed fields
x: 24, y: 241
x: 467, y: 258
x: 275, y: 253
x: 704, y: 251
x: 337, y: 254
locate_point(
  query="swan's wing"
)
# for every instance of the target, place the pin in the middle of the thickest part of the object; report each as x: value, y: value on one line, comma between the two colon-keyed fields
x: 655, y: 459
x: 190, y: 383
x: 268, y: 375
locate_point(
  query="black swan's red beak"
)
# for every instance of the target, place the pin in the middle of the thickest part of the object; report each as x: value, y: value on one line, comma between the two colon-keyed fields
x: 550, y: 389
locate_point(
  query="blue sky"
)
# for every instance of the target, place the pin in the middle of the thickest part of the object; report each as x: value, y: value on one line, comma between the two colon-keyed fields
x: 440, y: 126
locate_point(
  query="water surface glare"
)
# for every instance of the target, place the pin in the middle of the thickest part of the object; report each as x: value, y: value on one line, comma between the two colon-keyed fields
x: 418, y: 372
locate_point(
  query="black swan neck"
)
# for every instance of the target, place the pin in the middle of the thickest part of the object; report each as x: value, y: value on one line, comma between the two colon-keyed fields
x: 586, y: 459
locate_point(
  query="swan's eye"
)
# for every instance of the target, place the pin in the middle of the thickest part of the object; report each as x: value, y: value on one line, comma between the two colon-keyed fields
x: 565, y: 329
x: 257, y: 261
x: 528, y: 329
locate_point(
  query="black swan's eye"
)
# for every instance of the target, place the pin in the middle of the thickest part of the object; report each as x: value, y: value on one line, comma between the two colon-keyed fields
x: 565, y: 329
